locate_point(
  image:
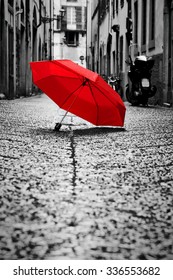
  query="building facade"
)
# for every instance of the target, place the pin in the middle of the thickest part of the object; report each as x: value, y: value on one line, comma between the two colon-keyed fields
x: 148, y: 24
x: 25, y: 35
x: 108, y: 48
x: 70, y: 30
x: 120, y: 28
x: 168, y: 52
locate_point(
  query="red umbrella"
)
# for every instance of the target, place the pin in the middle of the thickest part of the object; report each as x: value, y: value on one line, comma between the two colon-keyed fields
x: 79, y: 91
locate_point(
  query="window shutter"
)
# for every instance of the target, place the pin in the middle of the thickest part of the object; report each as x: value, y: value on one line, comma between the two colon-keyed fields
x: 79, y: 18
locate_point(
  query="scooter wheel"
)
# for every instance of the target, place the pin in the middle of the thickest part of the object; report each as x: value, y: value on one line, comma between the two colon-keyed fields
x: 144, y: 101
x: 128, y: 95
x: 130, y: 99
x: 135, y: 103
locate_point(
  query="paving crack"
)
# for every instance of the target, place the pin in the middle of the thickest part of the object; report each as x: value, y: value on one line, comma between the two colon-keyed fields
x: 72, y: 145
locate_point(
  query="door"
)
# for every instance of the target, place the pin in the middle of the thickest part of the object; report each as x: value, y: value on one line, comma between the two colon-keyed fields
x: 171, y: 55
x: 2, y: 47
x: 10, y: 63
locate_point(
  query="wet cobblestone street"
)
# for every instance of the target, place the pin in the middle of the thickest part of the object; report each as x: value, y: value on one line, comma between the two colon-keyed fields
x: 85, y: 192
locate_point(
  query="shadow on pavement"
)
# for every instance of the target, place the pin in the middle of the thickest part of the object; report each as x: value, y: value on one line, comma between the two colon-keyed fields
x: 98, y: 130
x: 79, y: 131
x: 149, y: 106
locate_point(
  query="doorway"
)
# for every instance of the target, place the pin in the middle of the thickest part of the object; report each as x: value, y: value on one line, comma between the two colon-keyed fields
x: 10, y: 63
x: 2, y: 49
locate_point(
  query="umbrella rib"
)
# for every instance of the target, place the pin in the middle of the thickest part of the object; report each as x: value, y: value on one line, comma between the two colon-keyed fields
x: 71, y: 103
x: 65, y: 67
x: 74, y: 78
x: 94, y: 101
x: 104, y: 94
x: 71, y: 94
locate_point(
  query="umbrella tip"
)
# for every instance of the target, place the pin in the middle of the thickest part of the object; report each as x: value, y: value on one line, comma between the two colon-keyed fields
x: 57, y: 126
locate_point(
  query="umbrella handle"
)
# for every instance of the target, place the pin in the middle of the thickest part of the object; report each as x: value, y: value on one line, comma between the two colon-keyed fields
x: 58, y: 125
x: 69, y: 107
x: 64, y: 116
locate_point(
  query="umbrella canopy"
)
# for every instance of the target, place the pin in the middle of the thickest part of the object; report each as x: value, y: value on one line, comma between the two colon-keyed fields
x: 79, y: 91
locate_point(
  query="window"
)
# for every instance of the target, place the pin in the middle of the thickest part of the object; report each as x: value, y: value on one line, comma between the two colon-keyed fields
x: 122, y: 3
x: 121, y: 53
x: 71, y: 0
x: 74, y: 18
x: 129, y: 8
x: 10, y: 8
x: 22, y: 14
x: 136, y: 22
x: 152, y: 24
x: 34, y: 20
x: 72, y: 38
x: 71, y: 18
x: 104, y: 7
x: 114, y: 62
x: 144, y: 23
x: 10, y: 2
x: 113, y: 8
x: 79, y: 17
x: 2, y: 22
x: 117, y: 4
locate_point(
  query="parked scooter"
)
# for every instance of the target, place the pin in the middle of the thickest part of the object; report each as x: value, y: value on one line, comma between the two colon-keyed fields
x: 115, y: 83
x: 139, y: 88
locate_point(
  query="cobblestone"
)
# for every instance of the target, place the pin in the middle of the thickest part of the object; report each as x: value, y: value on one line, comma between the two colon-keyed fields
x: 84, y: 192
